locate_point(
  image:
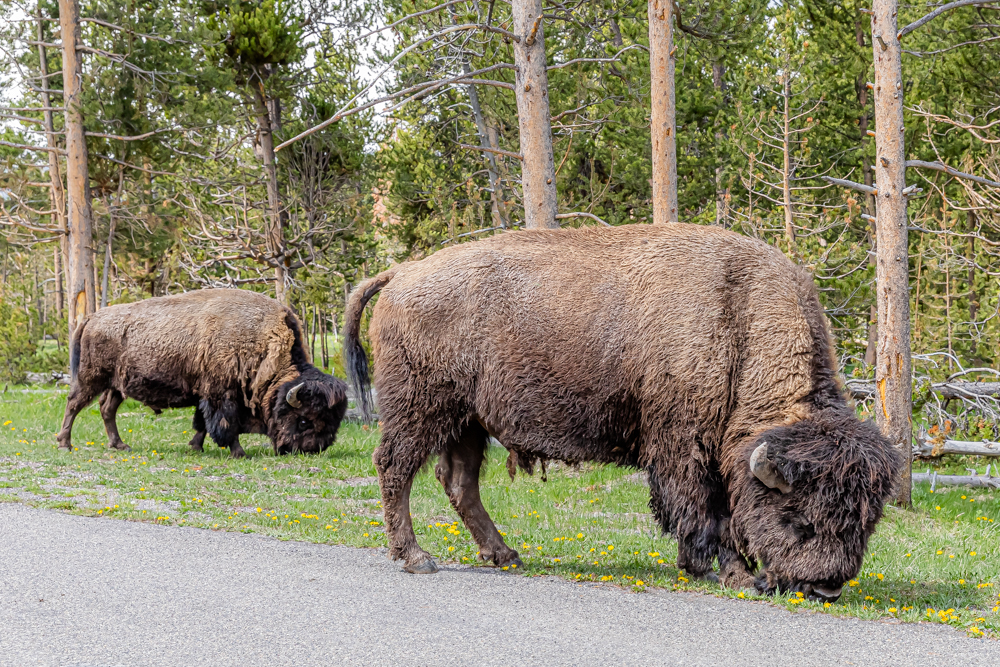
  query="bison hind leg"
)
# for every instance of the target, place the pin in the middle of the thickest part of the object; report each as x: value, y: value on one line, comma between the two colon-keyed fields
x: 458, y: 471
x: 398, y: 458
x: 111, y: 400
x: 80, y: 396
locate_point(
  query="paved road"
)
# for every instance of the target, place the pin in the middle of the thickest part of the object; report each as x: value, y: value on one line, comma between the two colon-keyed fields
x: 100, y: 592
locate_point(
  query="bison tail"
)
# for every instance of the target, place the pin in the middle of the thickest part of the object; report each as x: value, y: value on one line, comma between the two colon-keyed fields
x: 355, y: 359
x: 74, y: 350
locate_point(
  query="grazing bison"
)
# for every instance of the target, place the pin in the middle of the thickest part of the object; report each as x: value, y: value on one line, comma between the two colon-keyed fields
x: 235, y: 356
x: 695, y: 353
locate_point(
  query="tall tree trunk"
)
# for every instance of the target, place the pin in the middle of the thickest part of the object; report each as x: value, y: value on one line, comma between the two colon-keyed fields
x: 861, y: 90
x: 498, y: 209
x: 275, y: 233
x: 531, y: 87
x: 786, y: 150
x: 322, y: 340
x: 893, y: 402
x: 80, y: 247
x: 721, y: 193
x: 973, y: 294
x: 107, y: 260
x: 315, y: 328
x: 56, y: 192
x: 57, y: 264
x: 662, y: 125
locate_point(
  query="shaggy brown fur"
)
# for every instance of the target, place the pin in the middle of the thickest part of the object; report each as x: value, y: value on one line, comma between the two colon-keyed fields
x: 675, y: 348
x: 233, y: 355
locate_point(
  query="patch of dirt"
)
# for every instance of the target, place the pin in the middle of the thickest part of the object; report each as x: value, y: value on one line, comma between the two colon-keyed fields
x: 358, y: 481
x: 85, y: 476
x: 156, y: 505
x: 18, y: 464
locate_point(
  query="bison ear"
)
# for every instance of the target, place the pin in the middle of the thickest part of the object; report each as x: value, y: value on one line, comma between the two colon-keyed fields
x: 764, y: 469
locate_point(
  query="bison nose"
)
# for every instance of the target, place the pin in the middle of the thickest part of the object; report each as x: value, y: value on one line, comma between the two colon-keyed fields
x: 825, y: 594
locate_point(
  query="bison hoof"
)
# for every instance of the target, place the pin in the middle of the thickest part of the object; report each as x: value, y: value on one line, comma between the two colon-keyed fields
x: 120, y: 446
x: 512, y: 564
x: 426, y: 566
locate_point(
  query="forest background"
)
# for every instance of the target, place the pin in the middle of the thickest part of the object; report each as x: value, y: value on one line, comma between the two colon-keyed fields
x: 183, y: 104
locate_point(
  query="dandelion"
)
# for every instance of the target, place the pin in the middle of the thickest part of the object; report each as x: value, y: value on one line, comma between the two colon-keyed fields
x: 740, y: 595
x: 972, y: 553
x: 961, y: 581
x: 640, y: 582
x: 880, y: 576
x: 892, y: 610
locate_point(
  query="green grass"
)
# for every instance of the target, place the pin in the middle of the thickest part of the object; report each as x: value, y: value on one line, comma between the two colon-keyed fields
x: 939, y: 562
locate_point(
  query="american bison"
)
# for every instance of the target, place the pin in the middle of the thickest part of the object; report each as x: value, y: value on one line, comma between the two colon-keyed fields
x: 236, y: 356
x: 695, y: 353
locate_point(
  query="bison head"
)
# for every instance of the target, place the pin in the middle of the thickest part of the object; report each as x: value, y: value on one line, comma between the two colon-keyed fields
x: 307, y: 413
x: 806, y: 499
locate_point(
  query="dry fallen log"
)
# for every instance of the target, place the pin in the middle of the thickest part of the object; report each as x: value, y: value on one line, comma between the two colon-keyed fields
x: 929, y: 449
x: 947, y: 390
x: 983, y: 481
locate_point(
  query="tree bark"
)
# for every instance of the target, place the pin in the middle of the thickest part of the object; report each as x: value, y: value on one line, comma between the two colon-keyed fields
x: 531, y: 87
x: 80, y: 245
x: 275, y: 233
x: 663, y: 111
x: 893, y: 402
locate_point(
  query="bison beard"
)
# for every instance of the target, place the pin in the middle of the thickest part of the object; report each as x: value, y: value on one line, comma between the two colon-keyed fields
x: 235, y: 356
x: 681, y: 349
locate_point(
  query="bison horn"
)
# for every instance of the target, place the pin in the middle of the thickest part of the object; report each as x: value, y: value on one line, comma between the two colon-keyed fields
x: 764, y: 469
x: 292, y: 397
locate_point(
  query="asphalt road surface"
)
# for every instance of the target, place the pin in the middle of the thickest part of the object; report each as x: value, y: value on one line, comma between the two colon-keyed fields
x: 91, y: 592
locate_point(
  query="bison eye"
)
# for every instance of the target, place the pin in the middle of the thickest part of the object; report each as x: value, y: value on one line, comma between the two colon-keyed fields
x: 804, y: 531
x: 303, y: 424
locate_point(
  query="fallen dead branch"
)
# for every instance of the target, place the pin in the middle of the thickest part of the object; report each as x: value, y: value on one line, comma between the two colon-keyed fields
x: 987, y: 481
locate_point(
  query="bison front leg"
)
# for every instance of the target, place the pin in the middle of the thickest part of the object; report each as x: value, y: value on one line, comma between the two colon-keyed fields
x: 198, y: 424
x: 458, y: 471
x: 111, y: 400
x: 398, y: 459
x: 690, y: 503
x: 222, y: 423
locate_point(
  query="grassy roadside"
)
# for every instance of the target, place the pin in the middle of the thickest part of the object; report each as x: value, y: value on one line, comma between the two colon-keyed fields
x: 938, y: 563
